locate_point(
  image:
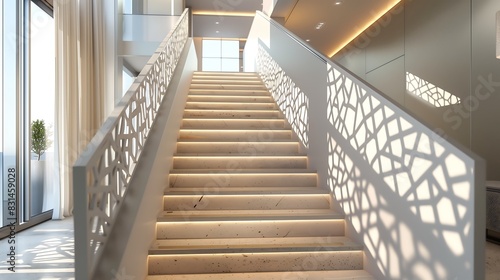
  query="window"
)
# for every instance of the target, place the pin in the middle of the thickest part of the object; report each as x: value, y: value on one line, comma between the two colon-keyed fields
x: 221, y: 55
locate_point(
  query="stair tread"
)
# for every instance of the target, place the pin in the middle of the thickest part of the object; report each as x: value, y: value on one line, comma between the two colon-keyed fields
x: 268, y: 97
x: 231, y: 110
x: 250, y: 191
x: 309, y: 275
x: 224, y: 141
x: 234, y: 119
x: 252, y: 245
x: 227, y: 102
x: 248, y: 215
x: 228, y: 155
x: 236, y: 129
x: 228, y: 92
x: 287, y: 171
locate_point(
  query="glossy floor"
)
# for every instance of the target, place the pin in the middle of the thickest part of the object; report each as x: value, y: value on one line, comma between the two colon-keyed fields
x: 46, y: 252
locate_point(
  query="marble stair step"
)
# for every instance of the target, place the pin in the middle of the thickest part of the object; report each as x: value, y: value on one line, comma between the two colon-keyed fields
x: 223, y: 178
x: 286, y: 275
x: 236, y: 162
x: 262, y: 200
x: 231, y: 114
x: 247, y: 214
x: 229, y: 92
x: 223, y: 81
x: 233, y: 123
x: 255, y: 262
x: 235, y: 134
x: 233, y: 245
x: 229, y: 98
x: 249, y: 224
x: 278, y: 147
x: 230, y: 106
x: 228, y: 86
x: 312, y: 190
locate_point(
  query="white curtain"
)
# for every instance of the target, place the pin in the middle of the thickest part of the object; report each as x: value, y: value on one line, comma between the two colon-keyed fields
x: 80, y: 96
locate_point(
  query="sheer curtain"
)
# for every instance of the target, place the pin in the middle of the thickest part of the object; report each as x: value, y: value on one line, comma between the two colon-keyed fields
x: 80, y: 95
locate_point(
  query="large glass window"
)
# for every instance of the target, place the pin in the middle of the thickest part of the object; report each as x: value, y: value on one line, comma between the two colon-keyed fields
x: 42, y: 95
x: 10, y: 114
x: 221, y: 55
x: 27, y: 83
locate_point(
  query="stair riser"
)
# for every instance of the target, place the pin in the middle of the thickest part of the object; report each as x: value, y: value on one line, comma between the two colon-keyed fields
x: 244, y: 202
x: 225, y: 81
x: 233, y: 124
x: 321, y: 260
x: 229, y: 92
x: 289, y: 275
x: 221, y: 180
x: 230, y: 106
x: 238, y: 148
x: 247, y: 114
x: 244, y: 163
x: 228, y: 98
x: 236, y: 135
x: 249, y: 229
x: 227, y: 87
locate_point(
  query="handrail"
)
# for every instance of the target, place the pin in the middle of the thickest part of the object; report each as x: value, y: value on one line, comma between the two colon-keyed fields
x: 102, y: 173
x: 412, y: 197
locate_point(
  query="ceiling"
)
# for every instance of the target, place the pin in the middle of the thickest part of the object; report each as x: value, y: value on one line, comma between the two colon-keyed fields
x: 341, y: 23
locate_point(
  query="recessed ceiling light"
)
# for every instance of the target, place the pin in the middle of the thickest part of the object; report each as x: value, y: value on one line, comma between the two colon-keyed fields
x: 338, y: 2
x: 308, y: 40
x: 217, y: 31
x: 320, y: 25
x: 216, y: 22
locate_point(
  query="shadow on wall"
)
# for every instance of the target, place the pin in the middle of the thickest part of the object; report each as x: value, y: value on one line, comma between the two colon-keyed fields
x: 408, y: 194
x: 410, y: 197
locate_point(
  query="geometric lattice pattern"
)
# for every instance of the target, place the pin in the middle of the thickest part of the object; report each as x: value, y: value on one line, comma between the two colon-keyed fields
x: 434, y: 95
x: 292, y: 101
x: 113, y: 153
x: 394, y: 177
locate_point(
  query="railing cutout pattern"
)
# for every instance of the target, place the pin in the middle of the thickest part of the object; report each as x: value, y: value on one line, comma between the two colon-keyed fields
x: 105, y: 169
x: 290, y: 98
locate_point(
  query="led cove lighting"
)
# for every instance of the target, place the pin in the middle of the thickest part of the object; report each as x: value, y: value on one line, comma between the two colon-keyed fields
x: 369, y: 23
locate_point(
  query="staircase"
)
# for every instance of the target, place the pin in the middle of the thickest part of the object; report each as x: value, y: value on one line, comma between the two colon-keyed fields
x: 242, y: 203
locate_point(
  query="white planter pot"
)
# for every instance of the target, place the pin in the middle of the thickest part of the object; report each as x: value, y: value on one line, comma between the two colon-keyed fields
x: 37, y: 185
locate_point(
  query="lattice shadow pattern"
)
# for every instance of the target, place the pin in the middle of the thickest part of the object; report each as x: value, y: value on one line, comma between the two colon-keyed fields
x: 431, y: 93
x: 420, y: 178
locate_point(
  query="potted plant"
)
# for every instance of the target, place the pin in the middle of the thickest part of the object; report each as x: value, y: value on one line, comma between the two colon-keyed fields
x: 39, y: 144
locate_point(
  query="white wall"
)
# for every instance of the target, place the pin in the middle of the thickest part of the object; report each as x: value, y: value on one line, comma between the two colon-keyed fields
x: 485, y: 86
x: 449, y: 43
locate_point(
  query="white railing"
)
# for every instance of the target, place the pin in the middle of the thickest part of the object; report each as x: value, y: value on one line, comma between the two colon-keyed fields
x: 102, y: 173
x: 414, y: 199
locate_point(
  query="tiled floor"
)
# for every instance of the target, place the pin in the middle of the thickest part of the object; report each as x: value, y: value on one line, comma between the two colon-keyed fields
x: 46, y: 252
